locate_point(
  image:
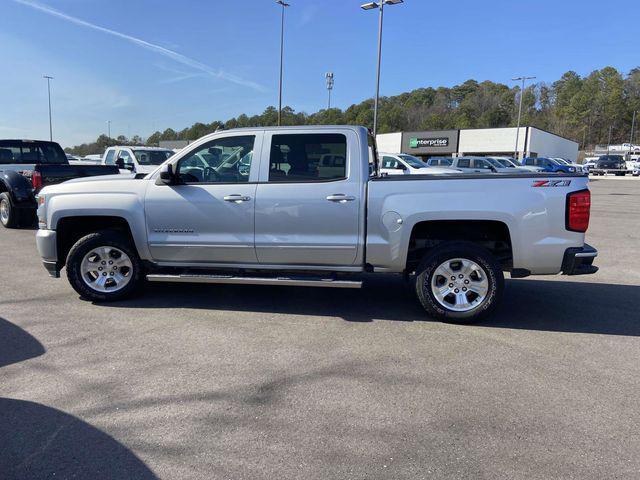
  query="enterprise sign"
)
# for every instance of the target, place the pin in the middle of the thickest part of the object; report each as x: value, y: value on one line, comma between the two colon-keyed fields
x: 428, y: 142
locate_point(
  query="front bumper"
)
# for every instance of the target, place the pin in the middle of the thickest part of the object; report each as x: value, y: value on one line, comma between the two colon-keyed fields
x: 46, y: 242
x: 579, y: 260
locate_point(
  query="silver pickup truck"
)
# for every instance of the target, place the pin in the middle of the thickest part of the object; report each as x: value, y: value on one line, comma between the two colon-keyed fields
x: 265, y: 206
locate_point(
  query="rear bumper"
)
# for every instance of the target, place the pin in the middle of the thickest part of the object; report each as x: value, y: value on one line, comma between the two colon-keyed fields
x: 46, y: 242
x: 579, y: 260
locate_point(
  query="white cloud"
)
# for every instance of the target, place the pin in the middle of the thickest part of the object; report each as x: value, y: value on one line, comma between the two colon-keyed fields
x: 175, y: 56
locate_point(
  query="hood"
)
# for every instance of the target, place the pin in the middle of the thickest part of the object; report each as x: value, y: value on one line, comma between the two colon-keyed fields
x: 106, y: 178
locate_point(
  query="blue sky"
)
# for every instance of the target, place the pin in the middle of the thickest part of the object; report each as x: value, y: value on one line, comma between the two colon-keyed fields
x: 153, y: 64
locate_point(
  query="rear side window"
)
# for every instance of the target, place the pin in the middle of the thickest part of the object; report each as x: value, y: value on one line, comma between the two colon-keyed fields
x: 464, y: 163
x: 17, y: 152
x: 390, y: 163
x: 308, y: 157
x: 110, y: 159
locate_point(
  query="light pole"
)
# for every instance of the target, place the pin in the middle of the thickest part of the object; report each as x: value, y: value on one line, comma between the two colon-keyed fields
x: 380, y: 6
x: 633, y: 127
x: 523, y: 79
x: 284, y: 5
x: 109, y: 129
x: 329, y: 77
x: 49, y: 93
x: 609, y: 140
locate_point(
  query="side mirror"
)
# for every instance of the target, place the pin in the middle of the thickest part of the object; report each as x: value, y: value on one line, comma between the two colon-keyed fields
x: 402, y: 166
x: 120, y: 163
x: 167, y: 175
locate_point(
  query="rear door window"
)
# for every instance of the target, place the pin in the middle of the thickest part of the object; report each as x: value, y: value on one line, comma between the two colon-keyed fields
x: 308, y: 157
x: 110, y: 159
x: 464, y: 163
x: 18, y: 152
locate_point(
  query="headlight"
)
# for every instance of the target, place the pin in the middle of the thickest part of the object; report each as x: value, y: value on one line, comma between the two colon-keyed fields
x: 572, y: 169
x: 42, y: 211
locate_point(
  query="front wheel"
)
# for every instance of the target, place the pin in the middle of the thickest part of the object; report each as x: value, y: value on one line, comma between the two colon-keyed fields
x: 459, y: 282
x: 104, y: 267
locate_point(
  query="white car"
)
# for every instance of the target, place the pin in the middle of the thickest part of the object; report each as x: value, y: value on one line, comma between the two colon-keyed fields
x: 403, y: 164
x: 510, y: 163
x: 589, y: 163
x: 136, y: 159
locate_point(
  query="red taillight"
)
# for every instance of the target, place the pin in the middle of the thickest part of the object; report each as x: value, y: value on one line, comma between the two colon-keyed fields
x: 578, y: 210
x: 36, y: 180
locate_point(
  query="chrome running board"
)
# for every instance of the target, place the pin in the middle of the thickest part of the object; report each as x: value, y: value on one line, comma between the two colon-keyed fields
x: 232, y: 279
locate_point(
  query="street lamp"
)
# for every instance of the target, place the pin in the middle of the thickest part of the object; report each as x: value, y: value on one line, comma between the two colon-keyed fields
x: 523, y: 79
x: 380, y: 6
x: 329, y: 77
x: 284, y: 5
x: 49, y: 92
x: 109, y: 129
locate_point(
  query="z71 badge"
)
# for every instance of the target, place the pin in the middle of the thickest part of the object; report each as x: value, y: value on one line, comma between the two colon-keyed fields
x: 551, y: 183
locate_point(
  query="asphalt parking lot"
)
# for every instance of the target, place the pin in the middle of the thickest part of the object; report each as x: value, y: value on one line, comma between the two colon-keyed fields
x: 244, y: 382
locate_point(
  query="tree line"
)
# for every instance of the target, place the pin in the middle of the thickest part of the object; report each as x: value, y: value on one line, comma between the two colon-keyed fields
x: 586, y: 109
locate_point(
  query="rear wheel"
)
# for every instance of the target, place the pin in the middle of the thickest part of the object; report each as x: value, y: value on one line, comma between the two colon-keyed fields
x: 459, y: 282
x: 8, y: 213
x: 104, y: 266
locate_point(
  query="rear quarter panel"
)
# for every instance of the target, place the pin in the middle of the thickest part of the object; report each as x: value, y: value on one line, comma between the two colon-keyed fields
x: 535, y: 216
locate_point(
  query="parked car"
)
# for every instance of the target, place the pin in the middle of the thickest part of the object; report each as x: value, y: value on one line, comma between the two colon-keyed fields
x: 610, y: 164
x: 481, y: 165
x: 507, y: 162
x: 208, y: 223
x: 28, y: 165
x: 439, y: 161
x: 578, y: 167
x: 548, y: 165
x: 589, y: 163
x: 403, y: 164
x: 140, y: 160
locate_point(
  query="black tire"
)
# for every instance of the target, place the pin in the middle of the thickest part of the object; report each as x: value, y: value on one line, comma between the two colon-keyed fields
x: 454, y: 250
x: 11, y: 218
x: 95, y: 240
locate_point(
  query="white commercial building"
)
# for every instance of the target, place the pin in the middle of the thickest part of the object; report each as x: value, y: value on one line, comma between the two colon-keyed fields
x: 532, y: 142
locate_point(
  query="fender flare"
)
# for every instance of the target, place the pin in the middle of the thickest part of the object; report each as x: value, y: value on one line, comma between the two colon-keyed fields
x: 17, y: 186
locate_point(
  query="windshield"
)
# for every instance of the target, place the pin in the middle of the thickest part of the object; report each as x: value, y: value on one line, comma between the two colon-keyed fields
x: 561, y: 161
x: 495, y: 163
x: 24, y: 152
x: 414, y: 162
x: 152, y: 157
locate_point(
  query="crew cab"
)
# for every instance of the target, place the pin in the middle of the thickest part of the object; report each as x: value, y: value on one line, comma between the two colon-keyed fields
x: 271, y: 213
x: 138, y: 159
x: 28, y: 165
x: 403, y: 164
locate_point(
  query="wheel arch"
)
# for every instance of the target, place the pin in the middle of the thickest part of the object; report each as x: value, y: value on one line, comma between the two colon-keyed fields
x: 493, y: 235
x: 71, y: 229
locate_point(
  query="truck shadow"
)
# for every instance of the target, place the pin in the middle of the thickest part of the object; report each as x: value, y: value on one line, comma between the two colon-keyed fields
x: 16, y: 344
x: 42, y: 442
x: 547, y: 305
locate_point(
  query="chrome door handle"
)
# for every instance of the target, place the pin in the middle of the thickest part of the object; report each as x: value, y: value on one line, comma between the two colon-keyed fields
x: 236, y: 198
x: 340, y: 198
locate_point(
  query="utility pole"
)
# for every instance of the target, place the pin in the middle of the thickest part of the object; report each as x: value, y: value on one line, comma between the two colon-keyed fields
x: 49, y: 92
x: 329, y: 77
x: 380, y: 6
x: 284, y: 5
x: 523, y: 79
x: 633, y: 127
x: 109, y: 129
x: 609, y: 141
